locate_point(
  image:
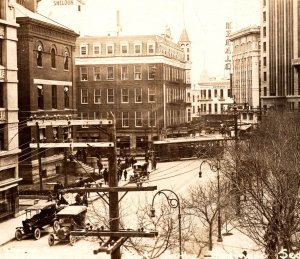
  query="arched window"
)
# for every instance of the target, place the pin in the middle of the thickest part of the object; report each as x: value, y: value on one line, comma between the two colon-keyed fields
x: 66, y: 97
x: 39, y: 55
x: 53, y: 61
x: 66, y: 60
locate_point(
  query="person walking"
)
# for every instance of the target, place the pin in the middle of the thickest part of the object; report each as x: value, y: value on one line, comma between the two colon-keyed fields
x: 105, y: 176
x: 125, y: 174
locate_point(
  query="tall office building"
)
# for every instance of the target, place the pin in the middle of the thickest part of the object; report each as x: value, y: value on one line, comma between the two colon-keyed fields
x: 280, y: 50
x: 9, y: 146
x: 245, y: 69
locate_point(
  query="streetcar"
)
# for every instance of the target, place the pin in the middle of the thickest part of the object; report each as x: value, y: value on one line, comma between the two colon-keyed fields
x: 204, y: 146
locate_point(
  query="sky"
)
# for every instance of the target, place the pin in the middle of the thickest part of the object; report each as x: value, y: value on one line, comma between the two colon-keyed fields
x: 204, y: 21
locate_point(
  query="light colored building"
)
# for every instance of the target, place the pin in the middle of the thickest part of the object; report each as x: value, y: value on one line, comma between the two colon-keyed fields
x: 280, y: 54
x: 245, y: 69
x: 9, y: 145
x: 142, y: 79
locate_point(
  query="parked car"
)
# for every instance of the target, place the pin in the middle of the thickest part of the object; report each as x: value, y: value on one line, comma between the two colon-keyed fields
x: 70, y: 218
x: 37, y: 217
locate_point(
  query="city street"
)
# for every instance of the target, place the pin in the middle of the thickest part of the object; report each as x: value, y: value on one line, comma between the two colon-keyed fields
x: 172, y: 175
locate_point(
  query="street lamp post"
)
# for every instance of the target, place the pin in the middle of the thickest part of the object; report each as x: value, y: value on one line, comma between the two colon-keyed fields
x: 215, y: 168
x: 173, y: 203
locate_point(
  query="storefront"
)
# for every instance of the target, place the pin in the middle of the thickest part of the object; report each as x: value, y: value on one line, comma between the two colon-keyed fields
x: 9, y: 199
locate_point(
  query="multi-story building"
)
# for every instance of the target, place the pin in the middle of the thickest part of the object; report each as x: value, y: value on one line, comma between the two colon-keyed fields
x: 46, y: 87
x: 141, y: 79
x: 9, y: 147
x: 213, y: 97
x: 280, y: 54
x: 245, y: 69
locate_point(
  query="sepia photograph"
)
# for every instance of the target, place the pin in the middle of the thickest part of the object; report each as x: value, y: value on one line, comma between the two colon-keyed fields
x: 149, y: 129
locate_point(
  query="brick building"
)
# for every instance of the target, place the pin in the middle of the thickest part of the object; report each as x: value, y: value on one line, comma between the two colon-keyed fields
x: 46, y: 87
x: 141, y: 79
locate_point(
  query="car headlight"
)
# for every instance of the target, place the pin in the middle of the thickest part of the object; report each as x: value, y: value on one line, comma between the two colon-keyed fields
x: 61, y: 221
x: 30, y: 228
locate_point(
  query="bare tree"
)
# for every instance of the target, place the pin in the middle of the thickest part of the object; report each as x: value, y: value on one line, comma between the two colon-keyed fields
x: 201, y: 204
x: 265, y: 171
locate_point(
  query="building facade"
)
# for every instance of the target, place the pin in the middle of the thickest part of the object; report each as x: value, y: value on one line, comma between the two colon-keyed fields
x: 245, y: 69
x: 9, y: 146
x: 46, y: 87
x: 141, y: 79
x: 280, y: 54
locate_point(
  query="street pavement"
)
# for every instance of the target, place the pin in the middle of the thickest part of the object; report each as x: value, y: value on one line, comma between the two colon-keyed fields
x: 231, y: 247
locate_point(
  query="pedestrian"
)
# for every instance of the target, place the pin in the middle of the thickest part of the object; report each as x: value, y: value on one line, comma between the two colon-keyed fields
x: 100, y: 165
x: 78, y: 199
x: 125, y: 174
x: 84, y: 200
x: 119, y: 174
x: 105, y: 176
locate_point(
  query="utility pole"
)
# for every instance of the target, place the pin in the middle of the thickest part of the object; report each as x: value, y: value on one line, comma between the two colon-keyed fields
x: 39, y: 154
x: 114, y: 217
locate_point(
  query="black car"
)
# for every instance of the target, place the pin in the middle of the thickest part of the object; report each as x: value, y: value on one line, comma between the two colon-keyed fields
x: 37, y: 217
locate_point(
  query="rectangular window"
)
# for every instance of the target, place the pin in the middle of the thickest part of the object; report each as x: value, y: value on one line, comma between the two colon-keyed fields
x: 54, y: 97
x: 216, y: 93
x: 209, y: 94
x: 84, y: 96
x: 216, y: 108
x: 264, y: 31
x: 83, y: 74
x: 40, y: 97
x: 97, y: 76
x: 265, y: 76
x: 264, y: 16
x: 66, y: 97
x: 265, y: 61
x: 110, y: 73
x: 137, y: 72
x: 221, y: 94
x: 110, y: 49
x: 125, y: 95
x: 83, y: 50
x: 96, y: 49
x: 151, y: 95
x: 151, y: 48
x: 151, y: 72
x: 124, y: 73
x: 264, y: 46
x: 110, y: 95
x: 138, y: 95
x: 151, y: 118
x: 97, y: 95
x: 124, y: 48
x: 125, y: 119
x: 138, y: 119
x: 137, y: 48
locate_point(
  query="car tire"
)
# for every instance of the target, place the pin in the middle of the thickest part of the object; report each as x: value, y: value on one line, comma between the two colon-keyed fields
x: 72, y: 240
x: 51, y: 239
x: 56, y: 225
x: 37, y: 233
x: 18, y: 234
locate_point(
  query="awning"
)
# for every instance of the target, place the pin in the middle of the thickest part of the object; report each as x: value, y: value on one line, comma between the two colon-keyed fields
x: 8, y: 187
x: 244, y: 127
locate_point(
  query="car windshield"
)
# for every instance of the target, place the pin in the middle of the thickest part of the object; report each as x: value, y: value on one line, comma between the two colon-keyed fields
x: 31, y: 213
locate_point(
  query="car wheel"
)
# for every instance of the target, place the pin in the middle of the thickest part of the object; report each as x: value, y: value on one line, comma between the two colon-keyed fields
x: 18, y: 234
x: 56, y: 225
x: 51, y: 240
x: 72, y: 240
x: 37, y: 233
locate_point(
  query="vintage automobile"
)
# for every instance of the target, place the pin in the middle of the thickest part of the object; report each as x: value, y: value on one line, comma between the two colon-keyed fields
x: 140, y: 170
x: 37, y: 217
x: 70, y: 218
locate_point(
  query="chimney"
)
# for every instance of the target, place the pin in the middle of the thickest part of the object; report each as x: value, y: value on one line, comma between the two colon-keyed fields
x: 29, y: 4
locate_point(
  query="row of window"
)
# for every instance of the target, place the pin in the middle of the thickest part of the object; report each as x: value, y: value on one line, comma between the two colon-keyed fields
x: 53, y: 54
x: 110, y: 95
x: 54, y: 97
x: 137, y: 72
x: 109, y: 49
x: 140, y: 119
x: 109, y: 73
